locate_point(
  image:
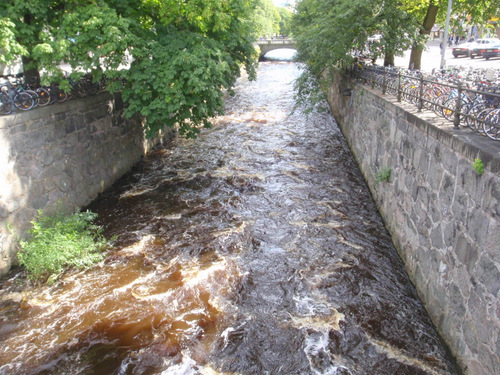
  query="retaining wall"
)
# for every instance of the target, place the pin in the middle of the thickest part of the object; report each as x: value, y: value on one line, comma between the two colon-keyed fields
x: 61, y: 157
x: 443, y: 216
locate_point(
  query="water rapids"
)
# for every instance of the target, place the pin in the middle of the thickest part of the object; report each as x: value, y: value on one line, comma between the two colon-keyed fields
x: 254, y: 249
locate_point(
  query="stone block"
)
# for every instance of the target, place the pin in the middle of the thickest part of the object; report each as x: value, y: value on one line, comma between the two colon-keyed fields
x: 437, y: 241
x: 466, y: 253
x: 435, y: 174
x: 424, y: 163
x: 70, y: 125
x: 491, y: 198
x: 477, y: 226
x: 488, y: 274
x: 40, y: 202
x: 17, y: 128
x: 491, y: 244
x: 460, y: 205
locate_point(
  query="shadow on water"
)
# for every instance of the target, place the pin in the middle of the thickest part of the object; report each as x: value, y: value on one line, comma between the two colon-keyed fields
x: 254, y: 249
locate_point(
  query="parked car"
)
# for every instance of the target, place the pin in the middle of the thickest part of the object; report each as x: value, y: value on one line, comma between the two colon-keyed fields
x: 493, y: 51
x: 482, y: 44
x: 462, y: 49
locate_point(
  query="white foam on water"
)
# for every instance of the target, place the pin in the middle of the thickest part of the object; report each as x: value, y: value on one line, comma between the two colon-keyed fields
x: 321, y: 361
x: 317, y: 320
x: 186, y: 367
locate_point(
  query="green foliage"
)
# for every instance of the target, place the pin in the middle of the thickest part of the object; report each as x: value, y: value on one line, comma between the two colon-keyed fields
x: 477, y: 12
x: 328, y: 31
x: 478, y: 166
x: 59, y: 242
x: 383, y: 175
x: 309, y: 95
x: 265, y: 19
x: 184, y: 54
x: 286, y: 20
x: 10, y: 49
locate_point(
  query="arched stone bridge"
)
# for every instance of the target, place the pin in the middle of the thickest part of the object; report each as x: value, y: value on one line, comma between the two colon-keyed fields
x: 267, y: 45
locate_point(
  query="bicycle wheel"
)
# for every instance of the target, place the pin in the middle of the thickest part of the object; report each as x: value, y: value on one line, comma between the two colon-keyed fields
x: 6, y: 106
x: 437, y: 104
x: 481, y: 119
x: 491, y: 124
x: 62, y: 96
x: 24, y: 101
x: 81, y: 89
x: 449, y: 109
x: 35, y: 97
x: 43, y: 96
x: 473, y: 115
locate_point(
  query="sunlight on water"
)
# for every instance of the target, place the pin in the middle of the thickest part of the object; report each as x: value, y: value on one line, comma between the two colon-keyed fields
x: 130, y: 304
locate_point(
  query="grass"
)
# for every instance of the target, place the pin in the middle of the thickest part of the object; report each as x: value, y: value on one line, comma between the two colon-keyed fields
x: 60, y: 242
x: 383, y: 175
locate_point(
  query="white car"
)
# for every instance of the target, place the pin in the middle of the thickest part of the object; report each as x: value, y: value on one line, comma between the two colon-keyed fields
x: 482, y: 44
x: 462, y: 49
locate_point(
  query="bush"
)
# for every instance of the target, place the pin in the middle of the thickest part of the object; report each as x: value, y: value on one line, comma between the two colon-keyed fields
x: 59, y: 242
x: 478, y: 166
x: 383, y: 175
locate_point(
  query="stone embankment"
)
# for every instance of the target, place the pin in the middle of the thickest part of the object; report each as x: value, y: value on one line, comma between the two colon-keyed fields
x: 61, y: 157
x: 443, y: 216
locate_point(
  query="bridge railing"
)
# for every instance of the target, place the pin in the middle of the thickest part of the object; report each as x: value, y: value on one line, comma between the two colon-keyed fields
x: 276, y: 41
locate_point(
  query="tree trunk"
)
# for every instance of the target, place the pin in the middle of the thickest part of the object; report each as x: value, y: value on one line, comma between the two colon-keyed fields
x: 389, y: 59
x: 30, y: 68
x: 31, y: 73
x: 418, y: 48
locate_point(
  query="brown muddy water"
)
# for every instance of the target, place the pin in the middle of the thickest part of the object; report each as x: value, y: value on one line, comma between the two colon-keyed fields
x: 254, y: 249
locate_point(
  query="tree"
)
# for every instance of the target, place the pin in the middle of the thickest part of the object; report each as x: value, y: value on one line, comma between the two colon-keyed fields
x: 9, y: 47
x: 183, y: 54
x: 430, y: 12
x: 265, y: 19
x: 286, y: 18
x: 329, y: 31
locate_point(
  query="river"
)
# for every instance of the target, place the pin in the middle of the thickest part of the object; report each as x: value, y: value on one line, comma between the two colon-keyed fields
x: 254, y: 249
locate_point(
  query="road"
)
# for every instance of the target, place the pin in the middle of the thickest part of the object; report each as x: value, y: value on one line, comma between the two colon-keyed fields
x: 431, y: 59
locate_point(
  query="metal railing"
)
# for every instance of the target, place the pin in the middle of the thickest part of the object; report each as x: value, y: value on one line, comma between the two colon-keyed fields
x: 276, y: 41
x: 456, y: 102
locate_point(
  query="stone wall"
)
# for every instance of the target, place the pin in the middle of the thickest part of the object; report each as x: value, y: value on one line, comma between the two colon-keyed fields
x: 61, y: 157
x: 443, y: 216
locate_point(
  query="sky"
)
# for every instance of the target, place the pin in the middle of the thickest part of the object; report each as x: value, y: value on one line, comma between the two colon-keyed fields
x: 283, y: 2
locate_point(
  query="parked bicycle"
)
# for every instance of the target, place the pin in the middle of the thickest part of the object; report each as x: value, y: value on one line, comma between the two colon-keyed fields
x: 465, y: 97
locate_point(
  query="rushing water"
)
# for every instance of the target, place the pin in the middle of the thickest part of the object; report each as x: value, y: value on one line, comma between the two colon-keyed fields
x: 254, y: 249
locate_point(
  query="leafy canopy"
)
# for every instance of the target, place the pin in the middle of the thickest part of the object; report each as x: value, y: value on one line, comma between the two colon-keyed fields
x: 329, y: 32
x: 265, y: 19
x: 177, y: 57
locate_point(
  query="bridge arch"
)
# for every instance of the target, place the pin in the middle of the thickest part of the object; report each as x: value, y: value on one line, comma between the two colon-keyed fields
x: 267, y: 45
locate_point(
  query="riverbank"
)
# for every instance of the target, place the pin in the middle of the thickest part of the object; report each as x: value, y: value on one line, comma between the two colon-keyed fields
x: 441, y: 213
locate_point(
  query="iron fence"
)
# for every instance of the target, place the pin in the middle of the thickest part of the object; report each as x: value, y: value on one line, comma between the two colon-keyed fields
x: 457, y: 101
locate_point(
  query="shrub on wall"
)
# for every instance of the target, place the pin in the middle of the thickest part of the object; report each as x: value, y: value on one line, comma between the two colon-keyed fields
x: 59, y: 242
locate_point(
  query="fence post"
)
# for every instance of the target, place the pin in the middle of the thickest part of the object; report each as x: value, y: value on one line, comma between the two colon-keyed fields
x: 384, y: 82
x: 420, y: 104
x: 399, y: 86
x: 458, y: 107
